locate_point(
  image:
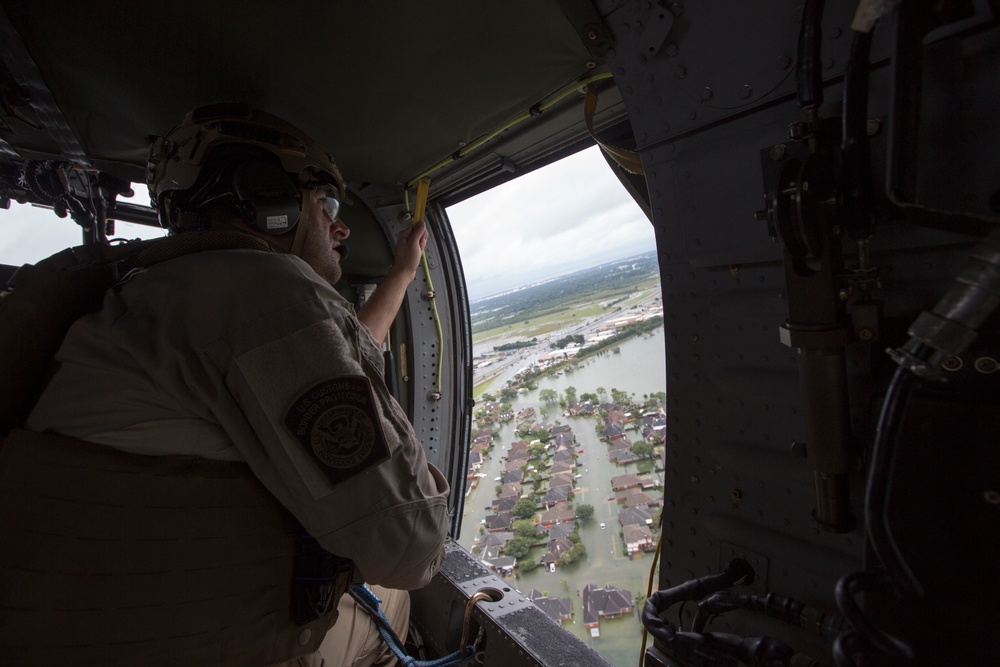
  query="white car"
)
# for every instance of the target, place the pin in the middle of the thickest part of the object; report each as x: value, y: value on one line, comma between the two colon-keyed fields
x: 602, y: 526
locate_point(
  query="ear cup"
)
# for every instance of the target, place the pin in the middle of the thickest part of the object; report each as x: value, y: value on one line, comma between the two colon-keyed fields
x: 267, y: 195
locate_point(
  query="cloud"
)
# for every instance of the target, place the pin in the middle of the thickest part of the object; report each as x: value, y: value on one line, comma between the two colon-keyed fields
x: 563, y: 217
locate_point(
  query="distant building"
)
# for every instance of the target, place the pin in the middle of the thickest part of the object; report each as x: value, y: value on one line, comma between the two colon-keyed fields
x: 562, y: 466
x: 513, y: 489
x: 561, y: 479
x: 635, y: 516
x: 498, y: 522
x: 555, y: 495
x: 564, y: 455
x: 512, y: 476
x: 558, y: 514
x: 560, y: 530
x: 565, y: 440
x: 638, y: 498
x: 622, y: 482
x: 505, y: 504
x: 558, y: 609
x: 556, y: 548
x: 638, y: 538
x: 496, y: 540
x: 607, y: 602
x: 614, y: 431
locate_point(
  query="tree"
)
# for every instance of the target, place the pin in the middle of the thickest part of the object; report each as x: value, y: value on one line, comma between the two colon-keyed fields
x: 619, y: 397
x: 524, y: 508
x: 527, y: 565
x: 571, y: 394
x: 602, y: 392
x: 536, y: 450
x: 518, y: 547
x: 642, y: 448
x: 585, y: 512
x: 586, y: 396
x: 488, y: 397
x: 524, y: 528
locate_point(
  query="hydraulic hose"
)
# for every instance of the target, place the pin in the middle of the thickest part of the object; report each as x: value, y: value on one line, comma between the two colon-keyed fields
x: 869, y: 635
x: 880, y: 483
x: 855, y: 146
x: 950, y: 328
x: 809, y: 72
x: 784, y: 609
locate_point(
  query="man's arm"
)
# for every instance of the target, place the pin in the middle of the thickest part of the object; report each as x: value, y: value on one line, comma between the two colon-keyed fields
x: 380, y: 310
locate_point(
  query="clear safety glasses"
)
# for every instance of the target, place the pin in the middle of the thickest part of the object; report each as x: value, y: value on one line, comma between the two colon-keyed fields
x: 331, y: 199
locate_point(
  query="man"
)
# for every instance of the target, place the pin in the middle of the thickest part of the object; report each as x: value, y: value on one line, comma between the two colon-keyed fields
x: 236, y: 356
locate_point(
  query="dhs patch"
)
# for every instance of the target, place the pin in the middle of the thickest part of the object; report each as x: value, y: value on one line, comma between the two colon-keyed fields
x: 337, y: 421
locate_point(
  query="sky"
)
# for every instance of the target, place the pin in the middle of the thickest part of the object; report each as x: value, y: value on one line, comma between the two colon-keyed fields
x: 567, y: 216
x: 558, y: 219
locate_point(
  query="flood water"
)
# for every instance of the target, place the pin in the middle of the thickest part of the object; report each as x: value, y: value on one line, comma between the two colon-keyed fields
x: 638, y: 369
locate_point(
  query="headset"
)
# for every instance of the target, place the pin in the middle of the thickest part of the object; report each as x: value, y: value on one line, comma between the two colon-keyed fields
x: 266, y: 195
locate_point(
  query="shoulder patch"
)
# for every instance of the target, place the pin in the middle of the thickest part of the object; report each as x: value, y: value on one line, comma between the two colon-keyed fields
x: 337, y: 421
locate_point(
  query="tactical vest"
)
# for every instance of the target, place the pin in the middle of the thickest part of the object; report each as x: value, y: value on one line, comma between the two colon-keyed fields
x: 110, y: 558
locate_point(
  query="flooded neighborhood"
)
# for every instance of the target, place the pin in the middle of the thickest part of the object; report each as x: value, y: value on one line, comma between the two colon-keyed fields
x: 564, y: 491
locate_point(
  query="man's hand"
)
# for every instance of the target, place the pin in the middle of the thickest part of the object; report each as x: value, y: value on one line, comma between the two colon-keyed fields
x: 410, y: 244
x: 381, y: 308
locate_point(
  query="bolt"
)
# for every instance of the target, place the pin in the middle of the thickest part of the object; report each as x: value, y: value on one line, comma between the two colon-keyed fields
x: 672, y: 50
x: 427, y: 295
x: 706, y: 94
x: 736, y: 495
x: 873, y: 126
x: 836, y: 33
x: 591, y: 64
x: 734, y: 269
x: 592, y: 35
x: 778, y: 152
x: 760, y: 216
x: 434, y: 396
x: 866, y: 334
x: 992, y: 497
x: 745, y: 92
x: 986, y: 365
x: 406, y: 217
x: 680, y: 72
x: 952, y: 363
x: 845, y: 294
x: 784, y: 62
x: 677, y: 9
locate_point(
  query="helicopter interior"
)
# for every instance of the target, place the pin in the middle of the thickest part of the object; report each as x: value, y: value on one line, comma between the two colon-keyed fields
x: 822, y: 182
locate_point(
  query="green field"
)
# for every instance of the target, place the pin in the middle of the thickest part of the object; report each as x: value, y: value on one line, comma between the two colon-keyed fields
x: 554, y: 315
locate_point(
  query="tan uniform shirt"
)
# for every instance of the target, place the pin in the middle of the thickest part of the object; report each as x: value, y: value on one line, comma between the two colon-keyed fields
x: 244, y: 355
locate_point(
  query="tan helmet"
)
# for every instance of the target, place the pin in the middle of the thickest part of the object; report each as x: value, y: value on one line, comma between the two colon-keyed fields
x: 177, y: 162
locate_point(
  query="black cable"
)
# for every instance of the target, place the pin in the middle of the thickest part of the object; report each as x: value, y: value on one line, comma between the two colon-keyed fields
x: 871, y: 635
x: 855, y: 146
x: 880, y: 482
x: 809, y: 72
x: 846, y: 647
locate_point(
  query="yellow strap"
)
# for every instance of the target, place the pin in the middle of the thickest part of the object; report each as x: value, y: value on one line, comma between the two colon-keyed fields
x: 423, y: 185
x: 628, y: 160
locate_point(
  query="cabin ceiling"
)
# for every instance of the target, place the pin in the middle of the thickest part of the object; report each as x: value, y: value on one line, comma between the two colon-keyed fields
x: 389, y: 88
